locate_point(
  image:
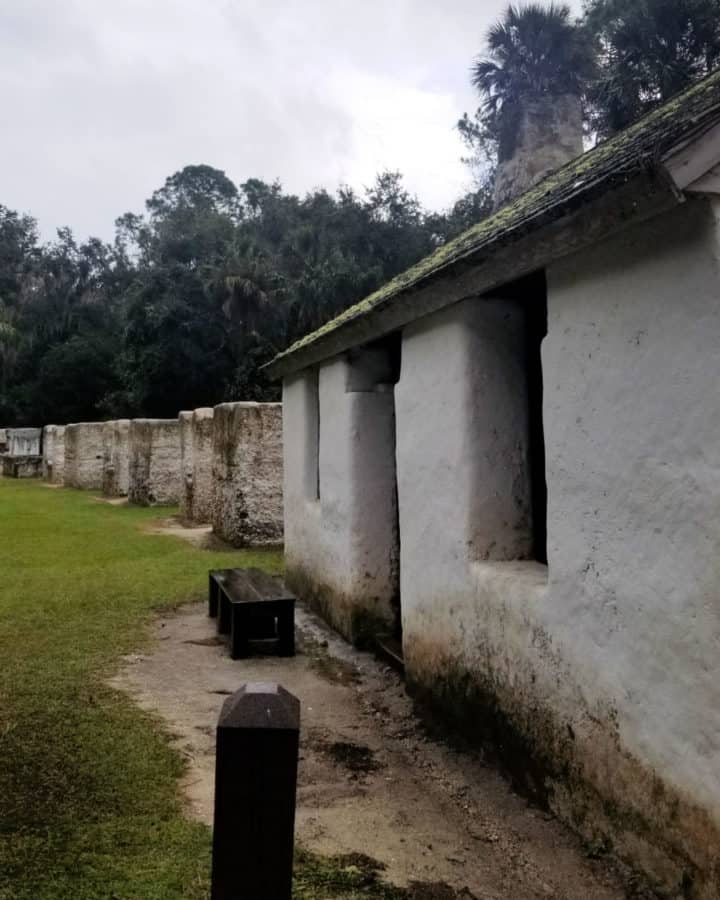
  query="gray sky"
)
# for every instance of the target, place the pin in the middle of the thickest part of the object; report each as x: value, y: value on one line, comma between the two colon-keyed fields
x: 103, y: 99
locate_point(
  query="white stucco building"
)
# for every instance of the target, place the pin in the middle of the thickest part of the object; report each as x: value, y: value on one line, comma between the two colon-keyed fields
x: 509, y: 459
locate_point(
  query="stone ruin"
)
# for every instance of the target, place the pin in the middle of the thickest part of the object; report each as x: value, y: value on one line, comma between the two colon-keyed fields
x: 116, y: 450
x: 53, y: 467
x: 247, y: 509
x: 223, y: 466
x: 196, y: 453
x: 23, y: 455
x: 3, y: 440
x: 85, y: 455
x: 154, y: 462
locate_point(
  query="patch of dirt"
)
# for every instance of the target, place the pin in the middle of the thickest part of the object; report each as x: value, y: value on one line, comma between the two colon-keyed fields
x: 373, y: 787
x: 200, y: 536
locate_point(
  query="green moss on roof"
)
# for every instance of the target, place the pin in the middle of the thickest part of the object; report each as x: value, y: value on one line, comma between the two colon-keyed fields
x: 638, y: 147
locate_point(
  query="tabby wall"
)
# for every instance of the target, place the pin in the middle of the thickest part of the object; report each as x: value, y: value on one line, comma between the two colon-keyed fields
x: 154, y: 475
x: 196, y: 448
x: 116, y: 471
x: 85, y: 455
x: 247, y: 509
x: 54, y: 454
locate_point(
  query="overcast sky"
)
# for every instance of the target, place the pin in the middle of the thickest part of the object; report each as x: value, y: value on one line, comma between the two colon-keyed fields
x: 103, y: 99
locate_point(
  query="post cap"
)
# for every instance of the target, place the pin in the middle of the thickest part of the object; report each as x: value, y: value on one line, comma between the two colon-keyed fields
x: 263, y: 706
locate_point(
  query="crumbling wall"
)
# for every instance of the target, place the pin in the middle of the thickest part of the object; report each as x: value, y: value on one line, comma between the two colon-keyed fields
x: 3, y: 440
x: 247, y: 508
x: 22, y: 466
x: 196, y: 442
x: 186, y: 463
x: 155, y: 476
x: 54, y: 454
x: 24, y: 441
x: 116, y: 467
x: 85, y: 455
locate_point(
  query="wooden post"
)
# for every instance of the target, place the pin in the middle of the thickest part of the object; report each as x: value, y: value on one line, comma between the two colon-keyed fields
x: 255, y: 781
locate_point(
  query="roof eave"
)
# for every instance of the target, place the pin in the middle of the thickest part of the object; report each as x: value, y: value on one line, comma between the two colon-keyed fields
x: 563, y: 230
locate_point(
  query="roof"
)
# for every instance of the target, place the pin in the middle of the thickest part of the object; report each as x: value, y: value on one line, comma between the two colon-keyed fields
x: 640, y: 148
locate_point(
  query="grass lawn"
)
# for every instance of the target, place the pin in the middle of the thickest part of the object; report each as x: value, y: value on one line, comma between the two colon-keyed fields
x: 89, y: 804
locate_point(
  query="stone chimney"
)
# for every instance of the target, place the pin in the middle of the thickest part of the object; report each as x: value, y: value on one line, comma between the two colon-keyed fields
x: 545, y: 134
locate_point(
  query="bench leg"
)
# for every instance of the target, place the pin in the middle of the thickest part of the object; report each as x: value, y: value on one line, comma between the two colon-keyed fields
x: 212, y: 597
x: 286, y: 633
x: 239, y: 631
x: 224, y: 613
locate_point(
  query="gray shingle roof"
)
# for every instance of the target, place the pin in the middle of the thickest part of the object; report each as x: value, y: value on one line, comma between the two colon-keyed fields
x: 640, y: 147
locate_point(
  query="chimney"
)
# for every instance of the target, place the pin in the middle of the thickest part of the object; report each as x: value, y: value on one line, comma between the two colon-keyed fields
x: 545, y: 134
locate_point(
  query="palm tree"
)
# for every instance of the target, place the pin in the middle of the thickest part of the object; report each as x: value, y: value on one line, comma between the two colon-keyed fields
x: 536, y: 55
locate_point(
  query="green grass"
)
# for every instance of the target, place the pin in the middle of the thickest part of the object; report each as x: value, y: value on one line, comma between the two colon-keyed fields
x: 89, y: 803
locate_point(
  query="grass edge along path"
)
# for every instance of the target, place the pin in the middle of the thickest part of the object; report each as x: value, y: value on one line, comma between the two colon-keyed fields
x: 89, y: 799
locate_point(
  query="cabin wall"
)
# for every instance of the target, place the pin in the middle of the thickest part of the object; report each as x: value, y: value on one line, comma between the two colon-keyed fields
x: 196, y: 439
x: 116, y: 470
x: 597, y: 675
x: 85, y: 455
x: 154, y: 470
x: 54, y: 454
x: 340, y: 505
x: 247, y: 501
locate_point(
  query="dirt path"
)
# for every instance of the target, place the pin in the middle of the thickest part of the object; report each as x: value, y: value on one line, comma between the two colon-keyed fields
x: 371, y: 781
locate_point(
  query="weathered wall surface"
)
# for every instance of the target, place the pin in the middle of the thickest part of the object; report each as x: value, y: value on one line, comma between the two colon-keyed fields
x: 155, y: 477
x: 85, y: 455
x: 599, y: 680
x: 247, y: 470
x: 116, y: 466
x: 196, y: 440
x: 3, y: 440
x: 24, y: 441
x: 54, y: 453
x: 22, y: 466
x: 547, y: 134
x: 340, y: 528
x: 186, y: 463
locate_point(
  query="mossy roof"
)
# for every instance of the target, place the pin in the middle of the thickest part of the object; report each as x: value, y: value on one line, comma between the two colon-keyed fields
x: 637, y: 148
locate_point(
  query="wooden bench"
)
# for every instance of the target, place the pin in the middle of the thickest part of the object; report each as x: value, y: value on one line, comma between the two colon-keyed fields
x: 254, y: 608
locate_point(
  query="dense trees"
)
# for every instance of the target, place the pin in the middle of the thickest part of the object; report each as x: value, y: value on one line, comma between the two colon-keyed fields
x: 195, y: 295
x: 623, y: 58
x: 648, y: 51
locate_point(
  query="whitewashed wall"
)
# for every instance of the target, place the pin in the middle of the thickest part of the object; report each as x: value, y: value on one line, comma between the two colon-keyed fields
x: 340, y: 540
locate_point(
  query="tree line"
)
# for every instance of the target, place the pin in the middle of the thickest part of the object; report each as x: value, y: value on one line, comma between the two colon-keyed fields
x: 192, y: 297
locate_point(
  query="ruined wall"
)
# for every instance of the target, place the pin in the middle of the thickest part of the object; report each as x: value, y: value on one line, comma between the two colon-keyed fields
x: 24, y: 441
x: 54, y: 454
x: 340, y: 505
x: 155, y: 477
x: 186, y: 463
x: 3, y: 440
x: 247, y: 470
x: 597, y: 675
x: 22, y: 466
x: 85, y: 455
x: 196, y: 440
x: 116, y: 467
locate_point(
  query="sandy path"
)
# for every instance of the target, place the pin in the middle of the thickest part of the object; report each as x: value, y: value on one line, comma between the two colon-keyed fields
x: 371, y: 781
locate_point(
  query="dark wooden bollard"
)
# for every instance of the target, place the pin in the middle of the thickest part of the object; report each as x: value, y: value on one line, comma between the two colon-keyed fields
x: 255, y: 780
